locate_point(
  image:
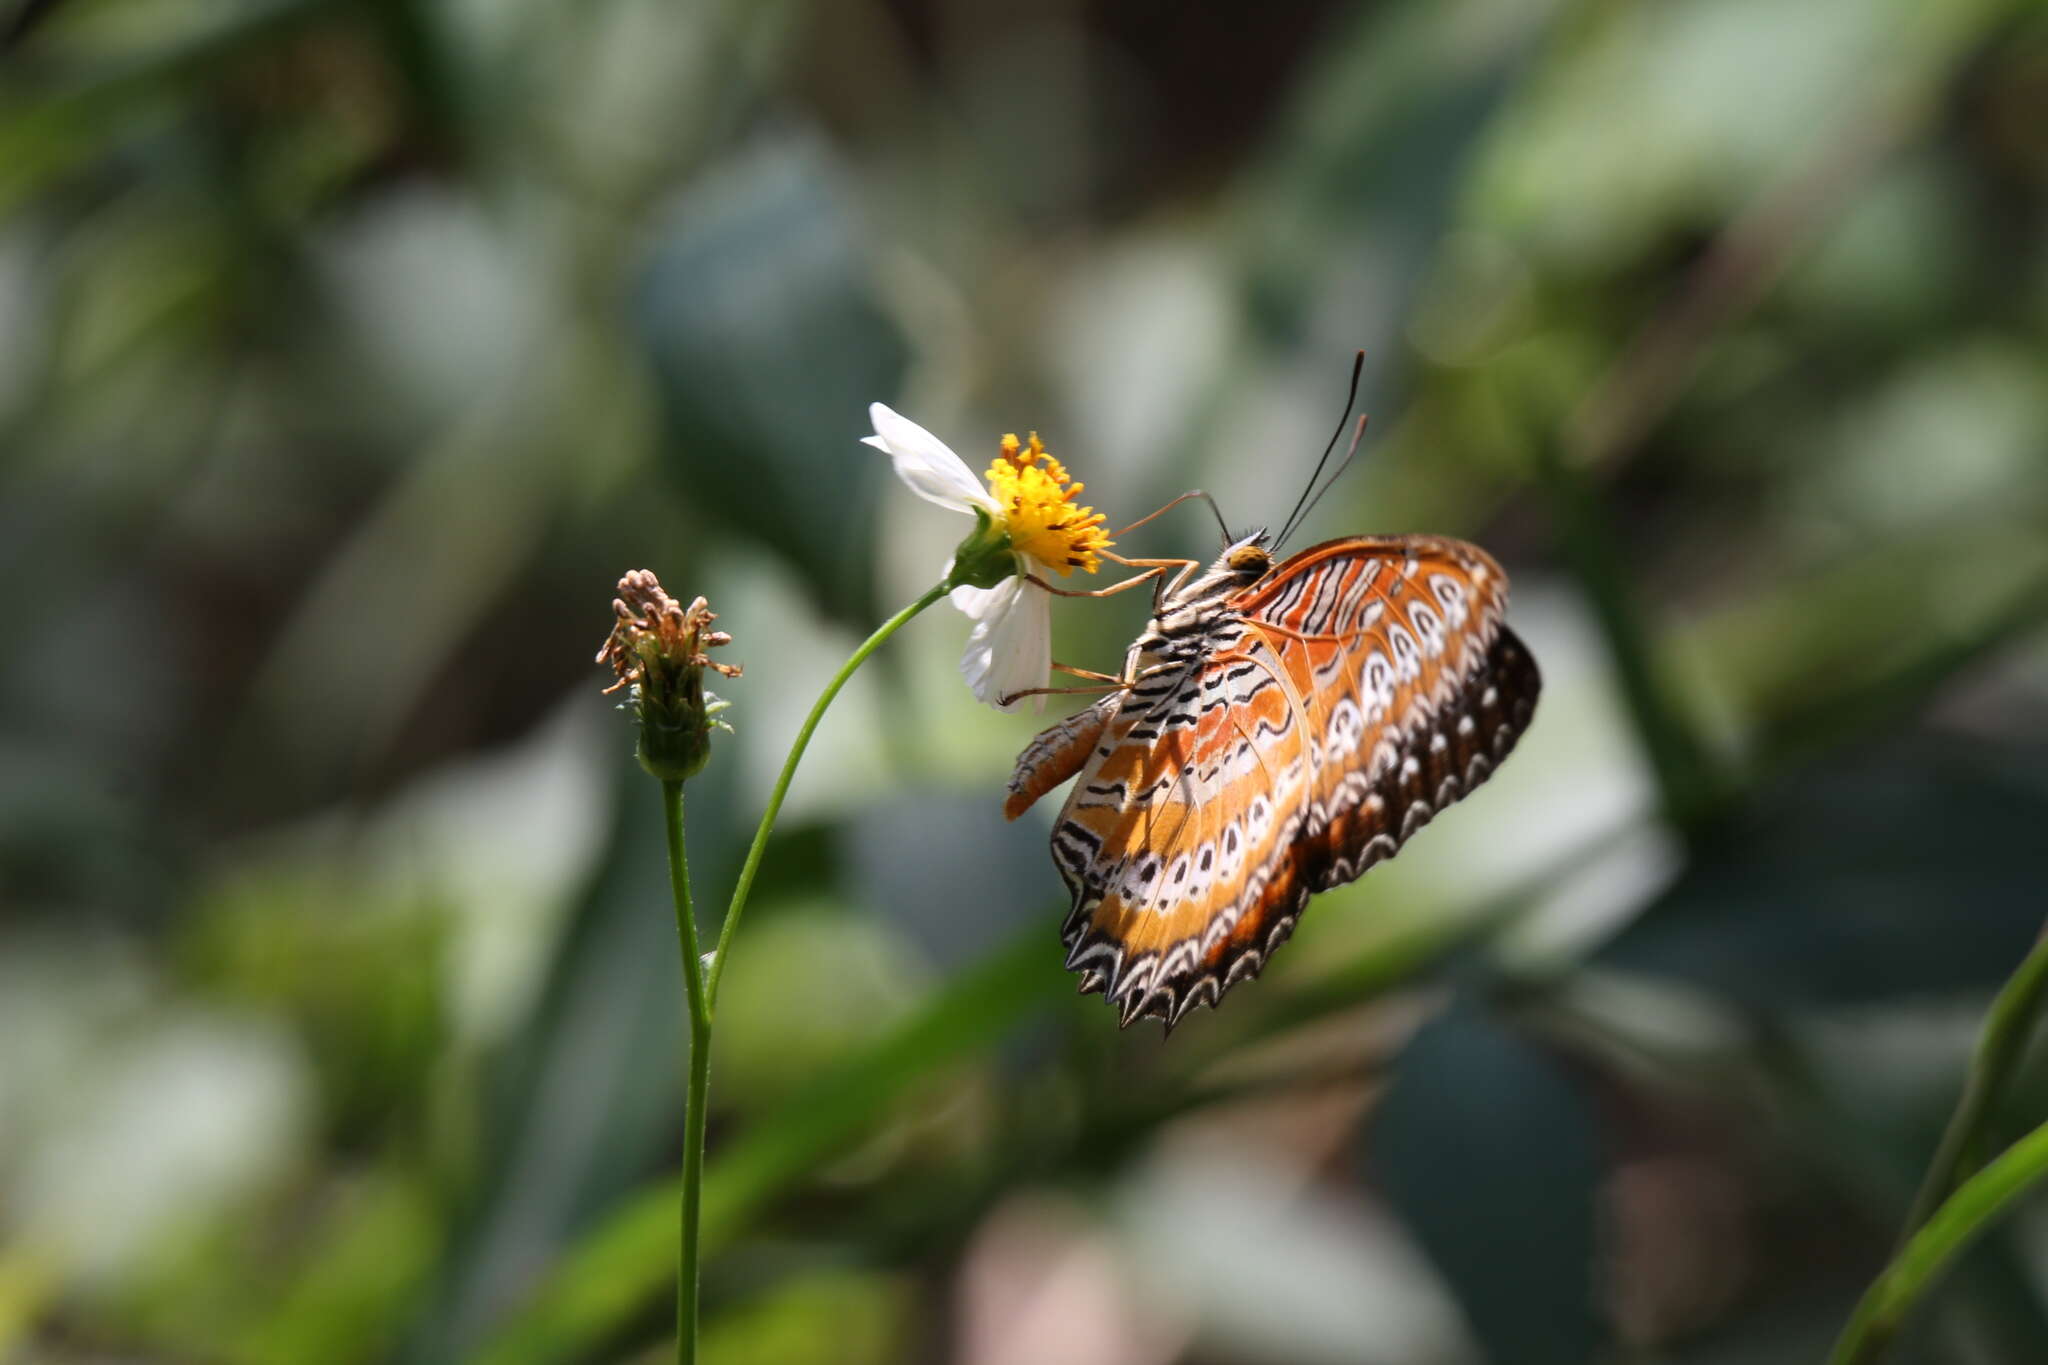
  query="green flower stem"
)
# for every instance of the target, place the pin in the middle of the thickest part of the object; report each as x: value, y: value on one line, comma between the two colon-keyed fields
x: 687, y: 1278
x: 703, y: 987
x: 2006, y: 1029
x: 796, y: 752
x: 1960, y: 1220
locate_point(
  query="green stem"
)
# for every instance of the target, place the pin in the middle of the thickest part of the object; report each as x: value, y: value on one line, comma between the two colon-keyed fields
x: 1961, y: 1219
x: 2006, y: 1029
x: 745, y: 884
x: 703, y: 987
x: 687, y: 1276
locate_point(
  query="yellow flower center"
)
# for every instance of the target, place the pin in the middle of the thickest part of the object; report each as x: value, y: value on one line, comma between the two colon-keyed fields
x: 1039, y: 512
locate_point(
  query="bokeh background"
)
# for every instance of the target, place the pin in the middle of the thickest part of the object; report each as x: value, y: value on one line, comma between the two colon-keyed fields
x: 350, y: 352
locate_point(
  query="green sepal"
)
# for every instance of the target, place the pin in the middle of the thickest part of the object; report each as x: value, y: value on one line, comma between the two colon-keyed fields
x: 985, y: 558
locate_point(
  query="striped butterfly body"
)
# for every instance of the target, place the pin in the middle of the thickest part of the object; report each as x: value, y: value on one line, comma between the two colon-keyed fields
x: 1279, y: 731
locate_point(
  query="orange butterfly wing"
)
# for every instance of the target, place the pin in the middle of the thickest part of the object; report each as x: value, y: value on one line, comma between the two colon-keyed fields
x: 1333, y: 707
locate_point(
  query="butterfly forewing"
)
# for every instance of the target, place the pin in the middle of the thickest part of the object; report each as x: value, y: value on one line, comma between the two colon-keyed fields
x: 1279, y: 738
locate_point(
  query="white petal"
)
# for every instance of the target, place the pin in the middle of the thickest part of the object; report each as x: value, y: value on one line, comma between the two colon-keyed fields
x: 980, y: 602
x: 985, y: 607
x: 1010, y: 648
x: 924, y: 462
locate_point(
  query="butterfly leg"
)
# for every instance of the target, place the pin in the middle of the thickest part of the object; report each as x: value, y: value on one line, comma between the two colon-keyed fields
x: 1115, y: 558
x: 1109, y: 683
x: 1110, y: 591
x: 1086, y: 673
x: 1115, y: 685
x: 1153, y: 571
x: 1162, y: 586
x: 1191, y: 493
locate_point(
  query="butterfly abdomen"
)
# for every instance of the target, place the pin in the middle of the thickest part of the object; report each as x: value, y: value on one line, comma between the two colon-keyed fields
x: 1056, y: 755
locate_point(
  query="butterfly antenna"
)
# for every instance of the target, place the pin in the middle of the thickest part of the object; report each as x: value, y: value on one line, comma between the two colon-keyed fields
x: 1306, y: 502
x: 1350, y: 453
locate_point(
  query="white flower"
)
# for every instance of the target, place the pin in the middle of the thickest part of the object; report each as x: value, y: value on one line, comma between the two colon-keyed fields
x: 1035, y: 524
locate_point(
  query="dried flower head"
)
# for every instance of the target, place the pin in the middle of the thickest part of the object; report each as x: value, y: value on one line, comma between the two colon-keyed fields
x: 657, y: 649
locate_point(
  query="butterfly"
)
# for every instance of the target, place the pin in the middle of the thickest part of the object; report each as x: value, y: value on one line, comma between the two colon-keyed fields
x: 1276, y: 731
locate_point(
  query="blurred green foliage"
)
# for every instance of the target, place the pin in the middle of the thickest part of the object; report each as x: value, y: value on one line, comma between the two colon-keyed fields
x: 350, y: 352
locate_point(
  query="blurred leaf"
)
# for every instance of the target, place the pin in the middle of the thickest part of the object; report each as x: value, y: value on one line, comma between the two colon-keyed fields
x: 854, y: 977
x: 50, y: 120
x: 1912, y: 871
x: 1689, y: 783
x: 1368, y: 164
x: 825, y: 1319
x: 590, y: 1095
x: 231, y: 1289
x: 1849, y: 649
x: 346, y: 1302
x: 363, y: 983
x: 1334, y: 228
x: 628, y: 1258
x: 1490, y: 1153
x: 768, y: 347
x: 1412, y: 948
x: 945, y: 867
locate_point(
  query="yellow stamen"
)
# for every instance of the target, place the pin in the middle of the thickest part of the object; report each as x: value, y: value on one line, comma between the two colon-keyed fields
x: 1037, y: 499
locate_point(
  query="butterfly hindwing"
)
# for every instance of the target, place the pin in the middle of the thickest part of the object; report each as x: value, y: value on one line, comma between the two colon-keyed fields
x: 1278, y: 739
x: 1174, y: 855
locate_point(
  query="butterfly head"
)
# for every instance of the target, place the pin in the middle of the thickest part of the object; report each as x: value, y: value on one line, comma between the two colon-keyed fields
x: 1244, y: 561
x: 1247, y: 557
